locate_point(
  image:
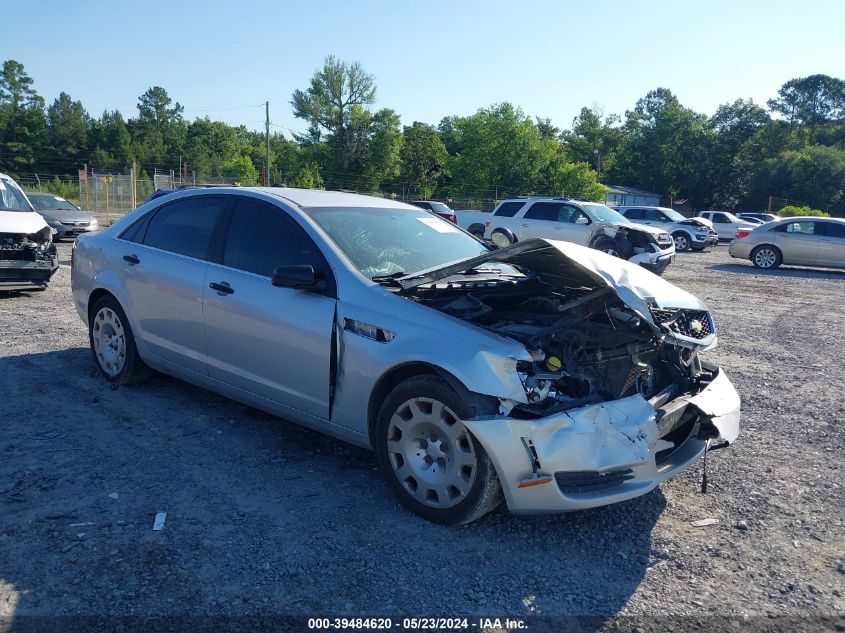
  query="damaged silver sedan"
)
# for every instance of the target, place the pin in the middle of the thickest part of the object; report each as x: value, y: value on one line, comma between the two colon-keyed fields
x: 551, y: 375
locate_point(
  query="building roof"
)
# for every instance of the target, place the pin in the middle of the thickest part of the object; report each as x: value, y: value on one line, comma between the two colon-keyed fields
x: 631, y: 191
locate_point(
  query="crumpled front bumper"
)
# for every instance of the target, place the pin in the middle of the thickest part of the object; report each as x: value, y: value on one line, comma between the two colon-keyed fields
x: 603, y: 453
x: 25, y: 274
x: 657, y: 261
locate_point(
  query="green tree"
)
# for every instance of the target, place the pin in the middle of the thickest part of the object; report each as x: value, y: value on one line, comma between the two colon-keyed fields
x: 735, y: 125
x: 208, y: 145
x: 811, y: 101
x: 241, y: 170
x: 501, y: 153
x: 68, y: 126
x: 594, y: 139
x: 331, y: 103
x: 667, y: 148
x: 813, y: 175
x: 424, y: 158
x: 159, y: 132
x: 791, y: 211
x: 110, y: 141
x: 22, y: 122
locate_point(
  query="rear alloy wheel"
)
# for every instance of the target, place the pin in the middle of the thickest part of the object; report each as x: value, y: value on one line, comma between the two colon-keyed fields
x: 435, y: 466
x: 682, y: 242
x: 113, y: 344
x: 766, y: 257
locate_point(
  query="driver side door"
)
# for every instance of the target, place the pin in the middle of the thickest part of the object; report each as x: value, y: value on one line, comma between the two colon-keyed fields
x: 270, y: 341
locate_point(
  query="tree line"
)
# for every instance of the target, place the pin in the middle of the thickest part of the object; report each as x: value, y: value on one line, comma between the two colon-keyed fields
x: 793, y: 147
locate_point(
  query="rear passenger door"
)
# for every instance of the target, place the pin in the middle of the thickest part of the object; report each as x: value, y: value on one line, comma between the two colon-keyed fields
x: 163, y: 266
x: 270, y: 341
x: 799, y: 242
x: 832, y: 244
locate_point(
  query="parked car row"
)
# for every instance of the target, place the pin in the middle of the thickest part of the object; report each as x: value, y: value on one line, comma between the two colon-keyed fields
x: 586, y: 223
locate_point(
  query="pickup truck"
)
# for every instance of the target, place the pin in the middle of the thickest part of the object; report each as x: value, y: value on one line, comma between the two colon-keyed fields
x: 586, y: 223
x: 726, y: 224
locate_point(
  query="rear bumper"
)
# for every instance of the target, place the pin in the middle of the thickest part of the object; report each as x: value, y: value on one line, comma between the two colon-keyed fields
x: 26, y: 275
x: 603, y: 453
x: 740, y: 248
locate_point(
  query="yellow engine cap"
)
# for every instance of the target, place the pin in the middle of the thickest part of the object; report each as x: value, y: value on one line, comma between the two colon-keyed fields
x: 553, y: 363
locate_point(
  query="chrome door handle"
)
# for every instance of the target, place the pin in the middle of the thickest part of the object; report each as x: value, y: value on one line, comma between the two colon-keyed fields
x: 222, y: 288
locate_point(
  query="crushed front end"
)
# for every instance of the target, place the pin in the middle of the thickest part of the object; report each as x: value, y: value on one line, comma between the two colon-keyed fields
x: 27, y: 261
x: 617, y: 397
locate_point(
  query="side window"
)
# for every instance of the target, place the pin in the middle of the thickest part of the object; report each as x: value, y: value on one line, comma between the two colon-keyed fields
x: 720, y: 218
x: 185, y: 227
x: 654, y: 215
x: 807, y: 228
x: 635, y: 214
x: 544, y: 211
x: 136, y: 232
x: 833, y: 229
x: 571, y: 214
x: 508, y: 209
x: 260, y: 238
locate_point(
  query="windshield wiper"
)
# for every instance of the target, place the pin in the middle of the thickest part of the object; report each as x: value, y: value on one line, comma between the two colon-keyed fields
x: 388, y: 278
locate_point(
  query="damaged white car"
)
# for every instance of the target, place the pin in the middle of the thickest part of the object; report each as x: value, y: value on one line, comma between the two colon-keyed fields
x: 27, y: 255
x: 549, y: 374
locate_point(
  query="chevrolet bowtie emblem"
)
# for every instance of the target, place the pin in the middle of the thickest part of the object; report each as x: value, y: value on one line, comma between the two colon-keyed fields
x: 696, y: 325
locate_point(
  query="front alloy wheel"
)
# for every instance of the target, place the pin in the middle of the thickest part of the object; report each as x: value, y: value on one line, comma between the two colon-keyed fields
x: 431, y: 453
x: 682, y: 242
x: 435, y: 466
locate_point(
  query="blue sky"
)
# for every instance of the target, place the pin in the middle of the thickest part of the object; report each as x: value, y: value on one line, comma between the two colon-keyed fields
x: 430, y: 59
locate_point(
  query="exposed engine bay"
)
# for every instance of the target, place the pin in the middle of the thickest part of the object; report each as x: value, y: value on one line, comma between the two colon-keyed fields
x: 587, y: 345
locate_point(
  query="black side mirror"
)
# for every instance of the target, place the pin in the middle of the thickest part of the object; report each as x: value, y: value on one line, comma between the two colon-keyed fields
x: 298, y: 277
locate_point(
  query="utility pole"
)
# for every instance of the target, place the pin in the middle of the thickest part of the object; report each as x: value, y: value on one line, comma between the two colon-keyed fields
x: 267, y: 128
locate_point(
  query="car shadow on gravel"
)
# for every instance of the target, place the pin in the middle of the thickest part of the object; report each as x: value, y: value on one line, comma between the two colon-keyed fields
x: 263, y: 517
x: 782, y: 271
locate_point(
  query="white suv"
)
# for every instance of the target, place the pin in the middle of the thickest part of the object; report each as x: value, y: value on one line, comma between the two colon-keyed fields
x: 586, y: 223
x: 689, y: 233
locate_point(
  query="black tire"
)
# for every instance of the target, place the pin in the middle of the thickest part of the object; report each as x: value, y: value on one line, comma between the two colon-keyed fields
x: 133, y: 371
x: 683, y: 241
x: 476, y: 229
x: 766, y: 257
x: 504, y: 234
x: 607, y: 245
x: 484, y: 493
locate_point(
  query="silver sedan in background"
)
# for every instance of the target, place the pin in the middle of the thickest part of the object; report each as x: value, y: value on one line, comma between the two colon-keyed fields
x: 549, y: 373
x: 802, y: 241
x: 65, y: 217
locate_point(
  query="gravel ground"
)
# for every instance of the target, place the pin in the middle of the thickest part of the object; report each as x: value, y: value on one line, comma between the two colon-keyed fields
x: 264, y: 517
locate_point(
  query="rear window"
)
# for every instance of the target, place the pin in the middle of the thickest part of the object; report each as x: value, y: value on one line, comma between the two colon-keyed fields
x: 185, y: 227
x: 508, y: 209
